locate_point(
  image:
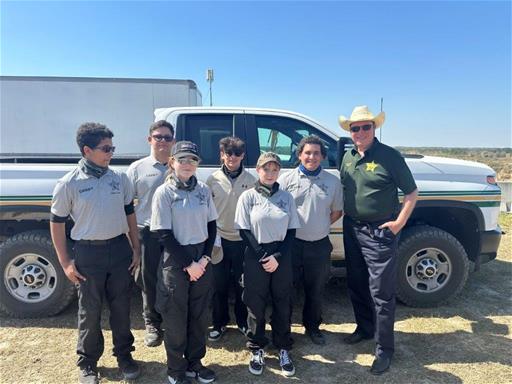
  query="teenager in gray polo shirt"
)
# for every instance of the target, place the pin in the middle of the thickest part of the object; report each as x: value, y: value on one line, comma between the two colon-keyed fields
x: 319, y: 199
x: 146, y: 175
x: 267, y: 219
x: 100, y: 202
x: 184, y: 215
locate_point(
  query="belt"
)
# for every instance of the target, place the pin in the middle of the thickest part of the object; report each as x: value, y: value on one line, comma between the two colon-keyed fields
x: 152, y: 234
x: 372, y: 222
x: 312, y: 241
x: 101, y: 242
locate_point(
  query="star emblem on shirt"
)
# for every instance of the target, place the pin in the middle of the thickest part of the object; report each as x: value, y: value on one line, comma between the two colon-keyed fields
x: 323, y: 187
x: 201, y: 196
x: 115, y: 185
x: 370, y: 167
x: 282, y: 204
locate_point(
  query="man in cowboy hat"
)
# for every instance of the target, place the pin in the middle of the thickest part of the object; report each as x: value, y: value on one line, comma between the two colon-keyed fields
x: 371, y: 173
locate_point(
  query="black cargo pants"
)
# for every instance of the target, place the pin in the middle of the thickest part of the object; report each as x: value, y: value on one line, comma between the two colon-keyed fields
x: 148, y: 270
x: 227, y: 274
x: 183, y: 305
x: 311, y: 266
x: 371, y: 255
x: 105, y: 266
x: 258, y: 285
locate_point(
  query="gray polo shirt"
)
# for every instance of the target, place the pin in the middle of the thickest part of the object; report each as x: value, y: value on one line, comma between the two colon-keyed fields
x: 315, y: 197
x: 267, y: 218
x: 95, y: 205
x: 185, y: 213
x: 146, y: 175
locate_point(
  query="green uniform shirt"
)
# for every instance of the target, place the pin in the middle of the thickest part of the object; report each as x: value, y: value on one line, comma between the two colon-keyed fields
x: 370, y: 182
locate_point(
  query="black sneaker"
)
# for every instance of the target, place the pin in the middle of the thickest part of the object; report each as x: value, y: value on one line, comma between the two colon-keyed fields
x: 153, y: 337
x: 257, y: 362
x: 129, y: 368
x: 316, y: 336
x: 216, y: 333
x: 286, y: 363
x: 88, y: 375
x: 201, y: 373
x: 178, y: 380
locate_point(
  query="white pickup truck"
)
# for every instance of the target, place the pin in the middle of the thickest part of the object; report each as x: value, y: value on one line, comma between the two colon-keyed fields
x: 454, y: 223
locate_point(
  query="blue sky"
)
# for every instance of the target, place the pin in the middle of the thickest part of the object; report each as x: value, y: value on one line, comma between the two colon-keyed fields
x: 443, y: 68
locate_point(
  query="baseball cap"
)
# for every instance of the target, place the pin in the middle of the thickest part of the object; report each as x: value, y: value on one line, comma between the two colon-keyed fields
x: 268, y: 157
x: 184, y: 149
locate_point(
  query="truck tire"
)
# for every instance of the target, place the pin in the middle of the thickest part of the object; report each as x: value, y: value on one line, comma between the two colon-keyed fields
x: 432, y: 266
x: 33, y: 282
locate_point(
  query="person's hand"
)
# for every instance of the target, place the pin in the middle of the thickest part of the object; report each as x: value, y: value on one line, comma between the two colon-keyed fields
x: 135, y: 261
x: 394, y: 226
x: 195, y: 271
x: 269, y: 264
x: 203, y: 261
x: 72, y: 273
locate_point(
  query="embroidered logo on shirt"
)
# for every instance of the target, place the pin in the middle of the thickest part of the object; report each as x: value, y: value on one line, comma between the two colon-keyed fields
x: 152, y: 174
x: 370, y: 167
x: 323, y: 187
x: 85, y: 190
x: 201, y: 196
x: 116, y: 188
x: 282, y: 204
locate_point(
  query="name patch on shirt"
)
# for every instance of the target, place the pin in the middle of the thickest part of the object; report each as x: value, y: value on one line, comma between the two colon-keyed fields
x: 85, y: 190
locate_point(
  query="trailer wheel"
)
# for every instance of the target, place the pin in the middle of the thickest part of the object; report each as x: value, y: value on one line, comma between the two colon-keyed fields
x: 33, y: 283
x: 432, y: 267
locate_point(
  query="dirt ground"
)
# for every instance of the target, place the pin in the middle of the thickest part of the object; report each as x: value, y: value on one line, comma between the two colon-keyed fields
x: 467, y: 340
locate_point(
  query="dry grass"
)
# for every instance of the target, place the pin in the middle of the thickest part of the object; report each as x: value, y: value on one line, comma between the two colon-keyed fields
x: 468, y: 340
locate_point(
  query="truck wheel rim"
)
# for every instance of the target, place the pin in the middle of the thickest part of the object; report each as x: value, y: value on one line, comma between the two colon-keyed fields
x: 428, y: 270
x: 30, y: 278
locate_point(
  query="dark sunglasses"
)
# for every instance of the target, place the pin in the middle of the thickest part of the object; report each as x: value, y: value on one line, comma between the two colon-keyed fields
x: 106, y: 148
x: 161, y: 138
x: 365, y: 127
x: 233, y: 153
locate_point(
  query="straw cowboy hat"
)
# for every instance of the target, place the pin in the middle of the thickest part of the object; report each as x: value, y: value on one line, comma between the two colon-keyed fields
x: 361, y: 113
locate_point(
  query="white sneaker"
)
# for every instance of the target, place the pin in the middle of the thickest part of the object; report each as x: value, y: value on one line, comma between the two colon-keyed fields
x: 286, y: 363
x: 257, y: 362
x: 182, y: 380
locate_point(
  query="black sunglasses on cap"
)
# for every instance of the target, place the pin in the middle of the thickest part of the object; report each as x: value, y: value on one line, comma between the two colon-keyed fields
x: 365, y: 128
x: 161, y: 138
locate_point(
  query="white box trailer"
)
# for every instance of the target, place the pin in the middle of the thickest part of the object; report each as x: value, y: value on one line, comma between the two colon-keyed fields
x: 39, y: 116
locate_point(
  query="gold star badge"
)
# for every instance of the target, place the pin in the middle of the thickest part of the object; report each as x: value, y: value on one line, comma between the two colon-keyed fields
x: 371, y: 166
